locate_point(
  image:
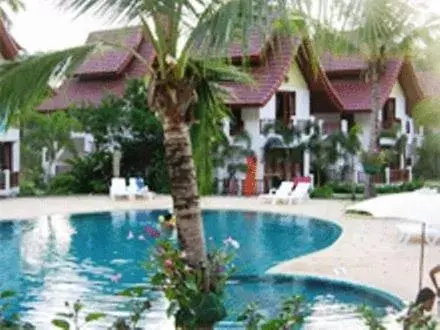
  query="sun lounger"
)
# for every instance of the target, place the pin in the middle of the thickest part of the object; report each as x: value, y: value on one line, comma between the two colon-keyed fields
x: 118, y: 188
x: 413, y: 230
x: 137, y: 188
x: 300, y: 193
x: 281, y: 194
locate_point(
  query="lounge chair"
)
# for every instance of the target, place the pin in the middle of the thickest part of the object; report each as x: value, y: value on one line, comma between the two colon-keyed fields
x: 414, y: 230
x: 118, y: 188
x: 300, y: 193
x: 280, y: 194
x: 137, y: 188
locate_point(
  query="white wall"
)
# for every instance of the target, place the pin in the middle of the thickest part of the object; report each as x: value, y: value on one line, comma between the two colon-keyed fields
x: 251, y: 116
x: 11, y: 135
x: 297, y: 83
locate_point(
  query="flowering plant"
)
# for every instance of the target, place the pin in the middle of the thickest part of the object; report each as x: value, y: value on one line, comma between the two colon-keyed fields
x: 195, y: 293
x: 372, y: 161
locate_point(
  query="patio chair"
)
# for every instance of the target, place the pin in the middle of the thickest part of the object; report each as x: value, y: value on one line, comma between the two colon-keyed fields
x: 412, y: 230
x: 118, y: 188
x: 300, y: 193
x: 280, y: 194
x: 137, y: 188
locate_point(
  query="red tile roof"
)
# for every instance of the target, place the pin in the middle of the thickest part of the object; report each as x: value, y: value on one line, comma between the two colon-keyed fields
x: 106, y: 73
x: 110, y: 62
x: 430, y: 83
x: 346, y: 76
x: 8, y: 46
x: 267, y: 77
x: 83, y: 90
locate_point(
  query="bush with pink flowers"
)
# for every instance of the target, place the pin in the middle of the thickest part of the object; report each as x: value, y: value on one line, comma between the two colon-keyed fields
x: 195, y: 293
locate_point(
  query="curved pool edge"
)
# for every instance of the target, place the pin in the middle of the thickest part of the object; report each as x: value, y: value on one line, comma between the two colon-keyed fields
x: 395, y: 301
x: 394, y: 298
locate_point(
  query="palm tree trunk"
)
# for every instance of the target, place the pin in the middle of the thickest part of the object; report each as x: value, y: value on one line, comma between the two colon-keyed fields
x: 369, y: 190
x: 184, y: 192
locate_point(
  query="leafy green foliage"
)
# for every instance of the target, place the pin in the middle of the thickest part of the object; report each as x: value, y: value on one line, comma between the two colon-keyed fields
x: 428, y: 165
x: 292, y: 316
x: 12, y: 322
x: 370, y: 318
x: 127, y: 123
x: 72, y: 316
x: 52, y: 132
x: 325, y: 191
x: 197, y: 300
x: 140, y: 303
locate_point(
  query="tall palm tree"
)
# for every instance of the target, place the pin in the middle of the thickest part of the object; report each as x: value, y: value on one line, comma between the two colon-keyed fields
x: 186, y: 35
x: 377, y: 30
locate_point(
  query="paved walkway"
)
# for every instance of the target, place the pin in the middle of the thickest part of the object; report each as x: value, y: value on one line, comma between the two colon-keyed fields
x: 368, y: 251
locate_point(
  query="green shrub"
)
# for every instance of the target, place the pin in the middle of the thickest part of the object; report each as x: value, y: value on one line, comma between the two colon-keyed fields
x: 29, y: 188
x: 61, y: 184
x: 322, y: 192
x: 345, y: 188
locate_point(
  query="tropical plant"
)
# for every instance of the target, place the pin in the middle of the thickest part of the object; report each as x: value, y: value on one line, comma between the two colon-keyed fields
x: 195, y: 294
x: 52, y: 134
x: 232, y: 154
x: 11, y: 321
x: 292, y: 316
x: 71, y: 318
x: 282, y: 136
x: 376, y: 30
x: 428, y: 165
x: 351, y: 145
x: 323, y: 149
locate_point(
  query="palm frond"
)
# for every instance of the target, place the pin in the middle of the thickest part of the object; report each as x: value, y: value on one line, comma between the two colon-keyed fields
x: 26, y: 80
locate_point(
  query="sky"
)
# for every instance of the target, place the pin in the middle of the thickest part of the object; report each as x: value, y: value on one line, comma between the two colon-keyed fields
x: 43, y: 27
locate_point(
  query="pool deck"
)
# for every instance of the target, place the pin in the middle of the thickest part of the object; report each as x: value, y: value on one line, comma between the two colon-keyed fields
x: 368, y: 250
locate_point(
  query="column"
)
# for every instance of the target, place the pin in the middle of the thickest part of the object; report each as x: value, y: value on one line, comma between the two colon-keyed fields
x: 306, y: 163
x: 387, y: 175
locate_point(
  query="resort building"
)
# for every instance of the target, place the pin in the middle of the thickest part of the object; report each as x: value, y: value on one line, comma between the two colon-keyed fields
x: 400, y: 91
x: 290, y: 87
x: 9, y: 137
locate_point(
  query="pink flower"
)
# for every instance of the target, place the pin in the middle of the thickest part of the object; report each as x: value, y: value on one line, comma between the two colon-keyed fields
x: 152, y: 232
x: 168, y: 263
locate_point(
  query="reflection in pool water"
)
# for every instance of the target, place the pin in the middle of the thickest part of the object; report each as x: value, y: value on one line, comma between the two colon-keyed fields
x: 57, y: 259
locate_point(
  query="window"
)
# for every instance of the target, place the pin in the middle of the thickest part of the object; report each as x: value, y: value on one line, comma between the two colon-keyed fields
x: 389, y: 113
x: 349, y: 117
x: 237, y: 124
x: 285, y: 106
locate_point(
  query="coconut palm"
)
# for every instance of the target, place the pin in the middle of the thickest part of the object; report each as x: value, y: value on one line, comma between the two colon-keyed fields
x: 185, y: 35
x: 377, y: 30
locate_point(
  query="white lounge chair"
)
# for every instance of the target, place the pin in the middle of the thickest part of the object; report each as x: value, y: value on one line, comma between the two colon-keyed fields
x: 413, y: 230
x: 118, y: 188
x: 300, y: 193
x: 137, y: 188
x: 280, y: 194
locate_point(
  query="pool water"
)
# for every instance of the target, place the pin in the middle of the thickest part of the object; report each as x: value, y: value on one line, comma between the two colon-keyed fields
x: 51, y: 260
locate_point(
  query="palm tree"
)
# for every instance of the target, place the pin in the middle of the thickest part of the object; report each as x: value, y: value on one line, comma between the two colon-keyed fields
x: 377, y: 30
x: 176, y: 29
x: 285, y: 137
x: 351, y: 145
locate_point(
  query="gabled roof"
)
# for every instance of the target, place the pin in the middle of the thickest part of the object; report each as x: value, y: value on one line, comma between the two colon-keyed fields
x: 348, y: 80
x: 270, y: 73
x: 104, y: 73
x: 430, y: 83
x: 9, y: 48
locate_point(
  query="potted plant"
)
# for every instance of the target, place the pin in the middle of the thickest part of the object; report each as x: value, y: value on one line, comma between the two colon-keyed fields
x: 372, y: 161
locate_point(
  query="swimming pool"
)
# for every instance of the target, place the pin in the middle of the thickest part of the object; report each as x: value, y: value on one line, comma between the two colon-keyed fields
x: 52, y: 260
